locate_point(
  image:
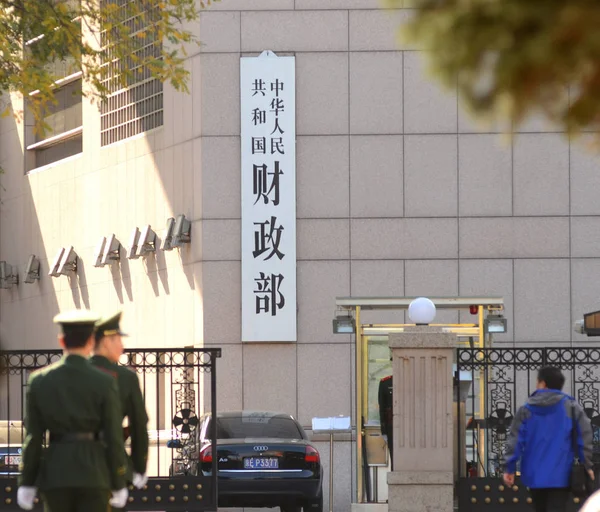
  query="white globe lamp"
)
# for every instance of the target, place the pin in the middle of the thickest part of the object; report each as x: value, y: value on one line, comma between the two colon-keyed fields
x: 421, y: 311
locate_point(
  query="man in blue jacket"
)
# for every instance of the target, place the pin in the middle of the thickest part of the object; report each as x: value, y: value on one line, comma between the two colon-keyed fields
x: 540, y: 437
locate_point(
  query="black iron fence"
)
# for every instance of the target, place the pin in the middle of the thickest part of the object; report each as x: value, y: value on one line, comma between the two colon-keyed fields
x: 498, y: 381
x: 179, y: 385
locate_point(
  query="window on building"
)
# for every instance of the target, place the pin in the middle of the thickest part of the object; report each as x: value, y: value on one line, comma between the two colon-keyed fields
x: 137, y: 106
x: 63, y: 133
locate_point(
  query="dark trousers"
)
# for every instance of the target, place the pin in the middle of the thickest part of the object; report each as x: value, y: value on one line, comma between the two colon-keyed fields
x: 550, y: 500
x: 76, y: 500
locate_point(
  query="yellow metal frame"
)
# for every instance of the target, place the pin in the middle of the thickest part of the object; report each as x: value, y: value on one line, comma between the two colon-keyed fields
x: 363, y: 331
x: 461, y: 330
x: 482, y: 395
x: 359, y: 413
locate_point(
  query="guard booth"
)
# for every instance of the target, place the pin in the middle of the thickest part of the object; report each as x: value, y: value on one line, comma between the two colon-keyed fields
x: 474, y: 321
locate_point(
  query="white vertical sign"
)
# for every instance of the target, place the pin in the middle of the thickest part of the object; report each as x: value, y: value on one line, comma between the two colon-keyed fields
x: 268, y: 138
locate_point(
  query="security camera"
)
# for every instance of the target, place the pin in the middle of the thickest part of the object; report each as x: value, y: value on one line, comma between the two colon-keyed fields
x: 112, y: 250
x: 7, y: 278
x: 133, y: 244
x: 166, y: 244
x: 99, y: 252
x: 182, y: 231
x: 56, y: 263
x: 147, y: 241
x: 32, y: 270
x: 68, y: 262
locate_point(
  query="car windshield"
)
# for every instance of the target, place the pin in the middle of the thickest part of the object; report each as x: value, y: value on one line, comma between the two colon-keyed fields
x: 236, y: 427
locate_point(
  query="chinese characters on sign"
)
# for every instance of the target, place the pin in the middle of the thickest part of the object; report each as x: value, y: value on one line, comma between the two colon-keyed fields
x: 268, y: 168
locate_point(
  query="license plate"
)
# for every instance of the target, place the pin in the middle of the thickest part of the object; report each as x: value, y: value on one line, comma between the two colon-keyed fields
x: 261, y: 463
x: 12, y: 460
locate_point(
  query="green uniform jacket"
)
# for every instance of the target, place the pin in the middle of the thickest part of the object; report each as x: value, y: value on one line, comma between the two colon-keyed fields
x: 386, y: 405
x: 134, y: 409
x: 68, y: 397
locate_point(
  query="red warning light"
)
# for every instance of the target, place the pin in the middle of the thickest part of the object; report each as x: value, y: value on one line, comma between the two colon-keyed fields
x: 473, y: 309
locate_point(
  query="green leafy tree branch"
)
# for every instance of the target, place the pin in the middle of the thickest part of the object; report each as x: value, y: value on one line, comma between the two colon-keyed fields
x: 110, y: 42
x: 515, y: 58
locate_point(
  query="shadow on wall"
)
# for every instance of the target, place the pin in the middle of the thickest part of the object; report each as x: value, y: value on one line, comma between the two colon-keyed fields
x: 144, y: 179
x: 26, y: 310
x: 136, y: 182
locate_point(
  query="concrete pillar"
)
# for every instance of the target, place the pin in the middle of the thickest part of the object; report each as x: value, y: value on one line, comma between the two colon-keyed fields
x: 422, y: 480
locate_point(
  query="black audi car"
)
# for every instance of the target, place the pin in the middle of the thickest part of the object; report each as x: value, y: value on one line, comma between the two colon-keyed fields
x: 264, y: 459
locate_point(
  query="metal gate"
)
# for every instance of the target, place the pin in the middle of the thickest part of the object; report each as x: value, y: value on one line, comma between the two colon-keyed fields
x: 501, y: 380
x: 179, y: 386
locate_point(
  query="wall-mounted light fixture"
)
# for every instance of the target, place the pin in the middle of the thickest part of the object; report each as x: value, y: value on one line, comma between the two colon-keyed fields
x: 147, y: 242
x: 65, y: 261
x: 32, y: 270
x: 167, y: 240
x: 182, y: 234
x: 107, y: 249
x: 133, y: 244
x: 54, y: 267
x: 494, y: 324
x: 8, y: 275
x: 141, y: 243
x: 344, y: 324
x: 68, y: 262
x: 112, y: 250
x: 99, y: 252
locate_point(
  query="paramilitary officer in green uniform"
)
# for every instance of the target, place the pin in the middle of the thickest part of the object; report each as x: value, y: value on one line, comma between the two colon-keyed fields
x: 386, y: 413
x: 107, y: 351
x: 79, y: 408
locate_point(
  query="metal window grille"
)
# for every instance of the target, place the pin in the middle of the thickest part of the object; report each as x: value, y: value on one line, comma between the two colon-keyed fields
x: 137, y: 108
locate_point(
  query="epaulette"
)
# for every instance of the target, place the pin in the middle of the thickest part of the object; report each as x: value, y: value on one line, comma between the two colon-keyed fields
x: 107, y: 371
x: 386, y: 378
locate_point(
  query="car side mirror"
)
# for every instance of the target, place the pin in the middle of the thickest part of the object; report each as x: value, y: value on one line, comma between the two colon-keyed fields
x: 173, y: 443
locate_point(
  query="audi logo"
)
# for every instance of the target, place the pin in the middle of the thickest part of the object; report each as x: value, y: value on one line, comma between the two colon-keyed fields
x: 261, y: 448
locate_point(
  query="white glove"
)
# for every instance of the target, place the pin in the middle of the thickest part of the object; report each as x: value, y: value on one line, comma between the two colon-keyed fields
x: 26, y: 496
x: 140, y: 480
x: 119, y: 498
x: 384, y: 438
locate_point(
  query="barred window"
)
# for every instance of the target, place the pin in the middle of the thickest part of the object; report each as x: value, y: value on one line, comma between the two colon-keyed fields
x: 138, y: 106
x: 63, y: 133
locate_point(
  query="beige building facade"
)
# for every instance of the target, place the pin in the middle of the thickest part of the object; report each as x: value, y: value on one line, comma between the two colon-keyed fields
x: 398, y: 193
